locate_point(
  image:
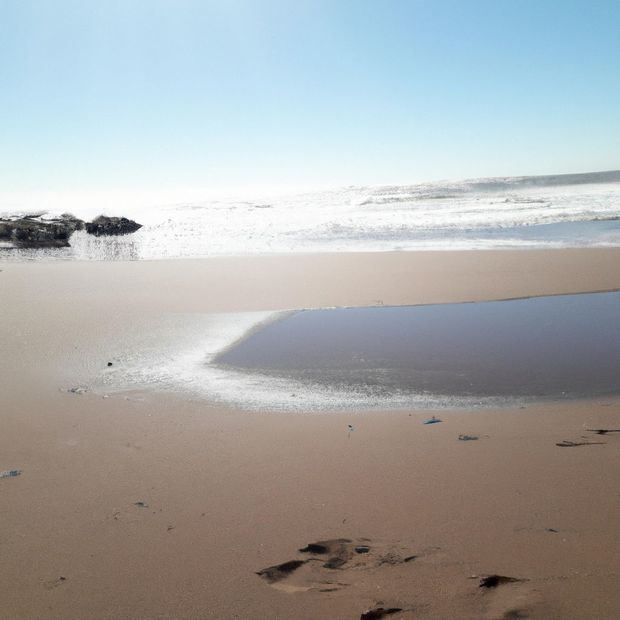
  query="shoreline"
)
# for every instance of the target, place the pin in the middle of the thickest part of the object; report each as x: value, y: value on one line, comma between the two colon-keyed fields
x: 50, y: 260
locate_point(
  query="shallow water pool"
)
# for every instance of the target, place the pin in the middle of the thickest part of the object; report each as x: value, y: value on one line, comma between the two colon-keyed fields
x: 544, y: 347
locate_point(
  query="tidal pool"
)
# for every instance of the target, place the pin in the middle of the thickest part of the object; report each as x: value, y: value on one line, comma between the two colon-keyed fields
x: 542, y: 347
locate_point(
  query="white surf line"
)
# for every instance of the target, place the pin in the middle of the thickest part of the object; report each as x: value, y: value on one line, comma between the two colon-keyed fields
x: 193, y: 370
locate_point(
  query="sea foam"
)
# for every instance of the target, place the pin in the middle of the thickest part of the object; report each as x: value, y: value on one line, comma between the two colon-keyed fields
x: 513, y: 212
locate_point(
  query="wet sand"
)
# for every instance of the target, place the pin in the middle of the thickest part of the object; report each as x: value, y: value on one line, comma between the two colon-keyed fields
x: 149, y: 505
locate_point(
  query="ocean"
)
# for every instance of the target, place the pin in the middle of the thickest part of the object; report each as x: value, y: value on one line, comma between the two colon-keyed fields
x: 576, y: 210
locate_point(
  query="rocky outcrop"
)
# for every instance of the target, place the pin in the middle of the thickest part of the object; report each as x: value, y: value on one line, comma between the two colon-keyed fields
x: 104, y: 225
x: 32, y: 231
x: 72, y: 222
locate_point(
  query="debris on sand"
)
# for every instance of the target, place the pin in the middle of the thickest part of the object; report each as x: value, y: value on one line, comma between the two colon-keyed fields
x: 11, y: 473
x: 492, y: 581
x: 603, y: 431
x: 272, y: 574
x: 468, y: 437
x: 77, y: 390
x: 573, y: 444
x: 432, y: 420
x: 379, y: 612
x: 141, y: 504
x: 54, y: 583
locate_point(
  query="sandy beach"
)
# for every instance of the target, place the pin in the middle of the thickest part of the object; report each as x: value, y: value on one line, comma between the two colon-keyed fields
x: 151, y: 504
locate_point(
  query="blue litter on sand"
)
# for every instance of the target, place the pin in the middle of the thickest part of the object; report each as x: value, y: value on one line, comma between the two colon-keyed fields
x: 432, y: 420
x: 11, y: 473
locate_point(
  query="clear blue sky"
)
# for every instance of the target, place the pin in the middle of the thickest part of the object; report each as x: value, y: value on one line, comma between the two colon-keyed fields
x: 212, y: 93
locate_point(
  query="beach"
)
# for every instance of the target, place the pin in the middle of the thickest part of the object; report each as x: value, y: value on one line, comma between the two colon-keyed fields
x: 309, y: 311
x: 153, y: 503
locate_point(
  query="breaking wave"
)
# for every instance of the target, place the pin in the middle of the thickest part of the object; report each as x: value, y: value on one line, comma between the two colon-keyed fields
x: 544, y: 211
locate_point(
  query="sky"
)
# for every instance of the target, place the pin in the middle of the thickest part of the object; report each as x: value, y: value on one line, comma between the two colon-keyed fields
x: 164, y: 94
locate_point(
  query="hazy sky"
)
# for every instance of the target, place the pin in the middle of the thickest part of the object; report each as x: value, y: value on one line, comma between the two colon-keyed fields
x: 226, y: 93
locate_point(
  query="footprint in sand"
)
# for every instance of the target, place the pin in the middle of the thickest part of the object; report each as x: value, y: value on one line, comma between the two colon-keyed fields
x: 54, y: 583
x: 377, y: 613
x: 574, y: 444
x: 325, y: 565
x: 515, y: 601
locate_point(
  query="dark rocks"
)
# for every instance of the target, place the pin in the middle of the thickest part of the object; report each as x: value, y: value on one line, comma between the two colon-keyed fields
x: 37, y: 231
x: 6, y: 230
x: 104, y: 225
x: 32, y: 231
x: 72, y: 222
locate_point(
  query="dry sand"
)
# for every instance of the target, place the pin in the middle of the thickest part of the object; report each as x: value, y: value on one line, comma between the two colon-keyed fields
x: 227, y: 493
